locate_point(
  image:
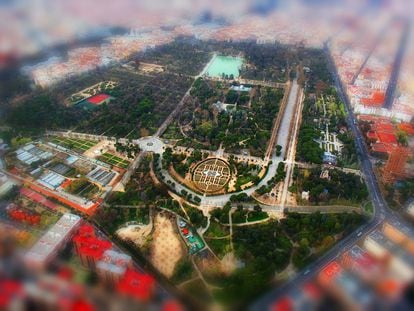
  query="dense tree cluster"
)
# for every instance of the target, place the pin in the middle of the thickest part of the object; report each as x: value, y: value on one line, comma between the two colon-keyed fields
x: 280, y: 175
x: 316, y: 227
x: 131, y: 149
x: 268, y: 248
x: 184, y: 55
x: 140, y: 188
x: 340, y: 186
x: 196, y: 216
x: 42, y: 111
x: 319, y: 77
x: 237, y: 128
x: 307, y: 149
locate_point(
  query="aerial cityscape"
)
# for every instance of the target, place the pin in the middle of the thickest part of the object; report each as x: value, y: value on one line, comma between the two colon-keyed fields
x: 206, y: 155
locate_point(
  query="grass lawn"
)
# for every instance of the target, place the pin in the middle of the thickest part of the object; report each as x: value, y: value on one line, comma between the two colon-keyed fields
x: 219, y: 246
x: 173, y: 132
x: 216, y: 230
x: 72, y: 143
x: 254, y: 216
x: 241, y: 180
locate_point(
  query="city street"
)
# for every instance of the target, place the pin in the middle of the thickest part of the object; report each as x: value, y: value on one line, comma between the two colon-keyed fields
x: 381, y: 211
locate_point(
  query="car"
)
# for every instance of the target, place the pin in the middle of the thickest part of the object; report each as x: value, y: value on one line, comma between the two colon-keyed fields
x: 359, y: 234
x: 306, y: 272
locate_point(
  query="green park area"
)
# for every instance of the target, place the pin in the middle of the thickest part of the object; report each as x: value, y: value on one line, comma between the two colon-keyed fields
x: 266, y: 250
x: 336, y: 188
x: 240, y: 121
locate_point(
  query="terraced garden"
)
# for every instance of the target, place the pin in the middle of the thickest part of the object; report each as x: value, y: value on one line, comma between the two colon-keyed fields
x: 79, y: 145
x: 114, y: 160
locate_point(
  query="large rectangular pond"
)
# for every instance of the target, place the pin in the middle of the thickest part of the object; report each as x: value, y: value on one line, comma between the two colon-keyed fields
x: 226, y: 65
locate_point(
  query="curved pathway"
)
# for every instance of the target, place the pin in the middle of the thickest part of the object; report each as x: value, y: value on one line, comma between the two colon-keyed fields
x: 155, y: 144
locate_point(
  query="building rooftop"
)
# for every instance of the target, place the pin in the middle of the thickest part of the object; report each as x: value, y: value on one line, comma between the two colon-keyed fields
x: 29, y: 154
x: 91, y: 246
x: 354, y: 289
x: 330, y: 271
x: 360, y: 257
x: 137, y: 285
x: 38, y: 198
x: 388, y: 138
x: 53, y: 238
x: 114, y: 262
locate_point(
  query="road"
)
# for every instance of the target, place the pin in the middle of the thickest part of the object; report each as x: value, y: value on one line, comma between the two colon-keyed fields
x: 374, y: 45
x: 156, y: 145
x: 163, y: 127
x: 288, y: 115
x: 276, y: 124
x: 381, y: 210
x: 291, y: 147
x: 282, y: 139
x: 392, y: 84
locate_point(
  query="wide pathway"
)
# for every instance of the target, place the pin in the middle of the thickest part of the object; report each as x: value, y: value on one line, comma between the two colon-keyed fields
x: 282, y: 139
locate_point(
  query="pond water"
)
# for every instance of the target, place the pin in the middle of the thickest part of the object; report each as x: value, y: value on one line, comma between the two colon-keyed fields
x: 227, y: 65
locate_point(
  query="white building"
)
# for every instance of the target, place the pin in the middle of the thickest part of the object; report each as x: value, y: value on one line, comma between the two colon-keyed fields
x: 5, y: 184
x: 113, y: 265
x: 47, y: 247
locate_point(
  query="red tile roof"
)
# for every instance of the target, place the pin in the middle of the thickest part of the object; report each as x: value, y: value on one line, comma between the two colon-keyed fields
x: 381, y: 148
x: 82, y: 305
x: 382, y: 126
x: 283, y: 304
x: 377, y: 99
x: 330, y: 271
x: 91, y: 246
x: 86, y: 231
x: 312, y: 291
x: 8, y: 290
x: 137, y: 284
x: 387, y: 138
x: 372, y: 135
x: 172, y: 305
x: 406, y: 127
x: 36, y: 197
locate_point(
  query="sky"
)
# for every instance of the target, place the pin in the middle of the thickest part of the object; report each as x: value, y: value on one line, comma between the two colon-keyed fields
x: 26, y: 26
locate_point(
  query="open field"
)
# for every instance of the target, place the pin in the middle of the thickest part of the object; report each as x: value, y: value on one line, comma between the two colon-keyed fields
x: 166, y: 247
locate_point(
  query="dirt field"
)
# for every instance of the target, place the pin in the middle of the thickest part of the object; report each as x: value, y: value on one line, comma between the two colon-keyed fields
x: 166, y: 246
x: 135, y: 233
